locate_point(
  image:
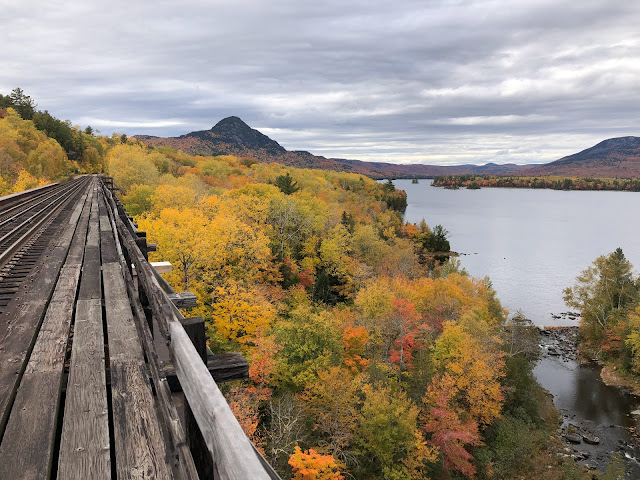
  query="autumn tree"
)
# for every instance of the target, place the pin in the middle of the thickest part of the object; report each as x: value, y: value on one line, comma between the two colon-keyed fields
x: 633, y: 339
x: 54, y: 128
x: 310, y: 465
x: 181, y: 236
x: 333, y: 402
x: 290, y: 223
x: 24, y: 148
x: 405, y: 322
x: 138, y: 199
x: 445, y: 428
x: 286, y: 425
x: 475, y: 371
x: 521, y: 337
x: 389, y: 434
x: 239, y: 311
x: 310, y: 344
x: 603, y: 292
x: 244, y: 405
x: 354, y: 340
x: 337, y: 263
x: 431, y: 244
x: 131, y: 165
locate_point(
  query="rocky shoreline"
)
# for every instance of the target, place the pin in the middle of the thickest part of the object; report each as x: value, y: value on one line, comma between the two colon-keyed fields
x: 561, y: 342
x: 589, y: 444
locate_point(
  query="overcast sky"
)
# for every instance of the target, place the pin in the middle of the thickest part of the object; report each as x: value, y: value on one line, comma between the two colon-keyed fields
x: 404, y: 81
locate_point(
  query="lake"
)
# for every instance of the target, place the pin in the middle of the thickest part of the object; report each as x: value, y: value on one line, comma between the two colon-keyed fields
x: 533, y: 244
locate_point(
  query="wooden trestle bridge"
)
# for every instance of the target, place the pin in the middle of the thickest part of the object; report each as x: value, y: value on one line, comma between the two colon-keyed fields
x: 85, y: 321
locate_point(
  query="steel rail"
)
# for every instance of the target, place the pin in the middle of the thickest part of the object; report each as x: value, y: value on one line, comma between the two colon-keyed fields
x: 58, y: 204
x: 29, y: 199
x: 52, y: 198
x: 8, y: 201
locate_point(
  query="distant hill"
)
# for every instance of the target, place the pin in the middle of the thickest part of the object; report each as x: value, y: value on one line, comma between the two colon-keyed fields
x: 612, y: 158
x: 232, y: 136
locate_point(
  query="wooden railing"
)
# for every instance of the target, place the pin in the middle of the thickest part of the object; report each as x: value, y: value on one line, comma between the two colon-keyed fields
x: 230, y: 453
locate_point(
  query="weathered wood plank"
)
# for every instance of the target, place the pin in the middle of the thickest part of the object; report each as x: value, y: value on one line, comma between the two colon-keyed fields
x: 231, y: 450
x: 108, y: 249
x: 84, y: 446
x: 161, y: 267
x: 90, y: 286
x: 140, y: 451
x: 223, y: 367
x: 26, y: 454
x: 50, y: 348
x: 194, y: 328
x: 139, y: 445
x: 161, y: 306
x: 124, y: 343
x: 183, y: 299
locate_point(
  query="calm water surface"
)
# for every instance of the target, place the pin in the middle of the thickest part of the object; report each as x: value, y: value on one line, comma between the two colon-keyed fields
x: 533, y: 244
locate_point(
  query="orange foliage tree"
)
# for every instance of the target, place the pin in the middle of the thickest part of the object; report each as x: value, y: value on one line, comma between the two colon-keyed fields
x: 310, y: 465
x: 354, y: 340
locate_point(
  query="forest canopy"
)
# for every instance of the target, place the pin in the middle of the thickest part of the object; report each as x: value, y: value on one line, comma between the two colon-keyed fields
x: 372, y: 355
x: 37, y: 148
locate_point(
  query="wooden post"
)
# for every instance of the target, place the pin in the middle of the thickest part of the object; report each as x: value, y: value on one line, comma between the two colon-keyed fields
x: 195, y: 330
x: 146, y: 307
x: 142, y: 245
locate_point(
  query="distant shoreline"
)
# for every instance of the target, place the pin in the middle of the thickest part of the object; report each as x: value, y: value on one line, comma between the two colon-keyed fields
x: 475, y: 182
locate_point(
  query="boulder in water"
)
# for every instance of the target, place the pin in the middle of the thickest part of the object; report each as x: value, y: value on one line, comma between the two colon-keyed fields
x: 572, y: 438
x: 590, y: 438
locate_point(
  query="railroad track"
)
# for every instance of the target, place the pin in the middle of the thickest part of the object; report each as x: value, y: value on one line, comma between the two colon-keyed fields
x: 28, y: 222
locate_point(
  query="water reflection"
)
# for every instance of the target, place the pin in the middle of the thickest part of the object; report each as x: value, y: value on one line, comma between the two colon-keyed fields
x: 578, y: 389
x: 585, y: 401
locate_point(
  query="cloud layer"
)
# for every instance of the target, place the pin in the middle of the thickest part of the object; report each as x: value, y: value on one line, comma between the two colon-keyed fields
x: 444, y: 81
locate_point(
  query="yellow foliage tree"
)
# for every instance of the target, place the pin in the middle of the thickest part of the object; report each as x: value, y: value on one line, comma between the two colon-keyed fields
x: 23, y: 148
x: 131, y: 164
x: 475, y: 370
x: 181, y: 238
x: 238, y: 312
x: 333, y: 401
x: 25, y: 181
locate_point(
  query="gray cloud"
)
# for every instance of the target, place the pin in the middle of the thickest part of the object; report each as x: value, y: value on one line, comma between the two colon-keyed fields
x: 408, y: 81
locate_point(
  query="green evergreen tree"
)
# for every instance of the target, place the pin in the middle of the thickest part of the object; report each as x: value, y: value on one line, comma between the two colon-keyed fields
x: 286, y: 184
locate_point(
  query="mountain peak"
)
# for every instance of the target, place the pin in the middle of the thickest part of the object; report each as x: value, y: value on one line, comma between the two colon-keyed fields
x: 235, y: 130
x: 230, y: 121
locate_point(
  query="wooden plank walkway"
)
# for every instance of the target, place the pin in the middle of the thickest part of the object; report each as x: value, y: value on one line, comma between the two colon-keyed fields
x: 102, y: 420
